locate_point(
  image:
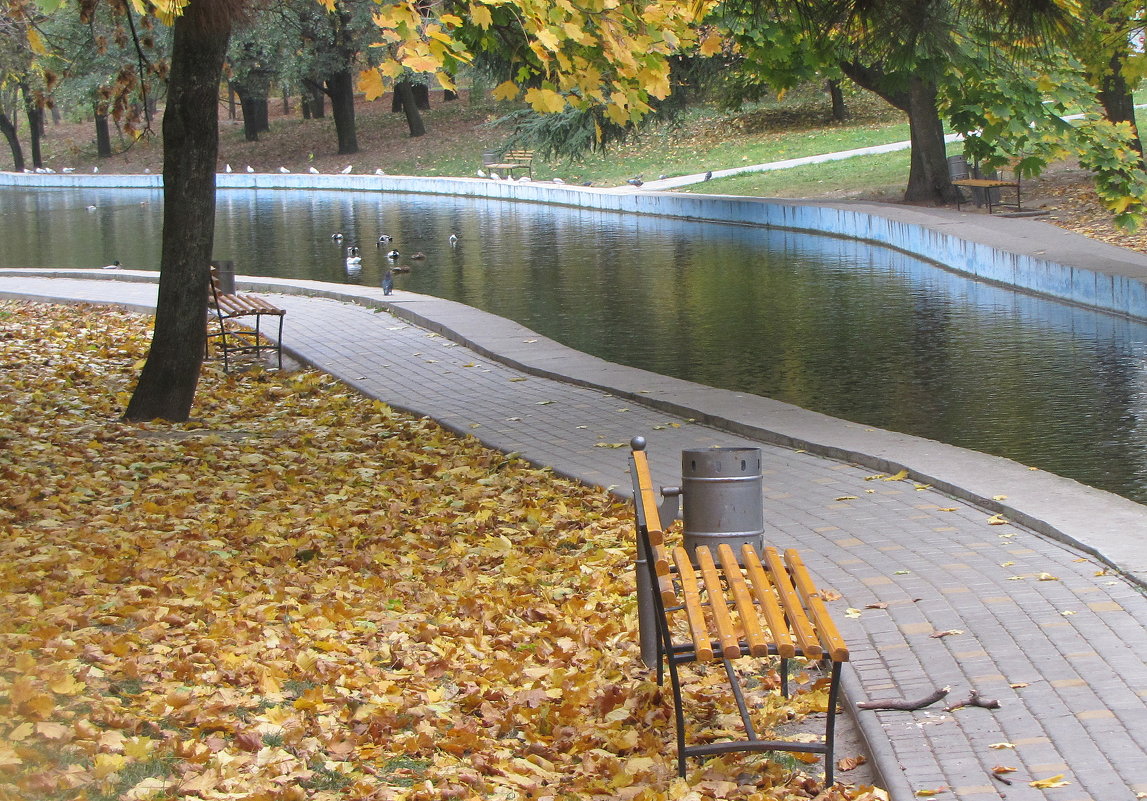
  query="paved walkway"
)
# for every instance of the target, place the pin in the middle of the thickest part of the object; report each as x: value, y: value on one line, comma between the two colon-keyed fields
x: 1044, y: 628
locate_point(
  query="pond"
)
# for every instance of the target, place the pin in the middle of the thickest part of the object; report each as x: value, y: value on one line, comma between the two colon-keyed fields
x: 845, y: 328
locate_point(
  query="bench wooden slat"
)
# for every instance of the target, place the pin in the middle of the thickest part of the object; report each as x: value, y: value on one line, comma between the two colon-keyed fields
x: 746, y: 609
x: 767, y: 599
x: 648, y: 514
x: 698, y: 628
x: 664, y: 576
x: 830, y: 637
x: 715, y: 592
x: 799, y: 623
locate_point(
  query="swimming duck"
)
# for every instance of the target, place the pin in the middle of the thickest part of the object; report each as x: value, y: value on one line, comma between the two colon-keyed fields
x: 352, y: 256
x: 382, y: 240
x: 392, y: 254
x: 113, y: 266
x: 418, y: 255
x: 337, y: 236
x: 453, y: 240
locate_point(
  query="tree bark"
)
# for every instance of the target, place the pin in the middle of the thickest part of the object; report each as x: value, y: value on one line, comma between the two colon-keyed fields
x: 9, y: 130
x: 254, y: 92
x: 928, y: 180
x: 169, y: 378
x: 314, y: 102
x: 1116, y: 98
x: 340, y: 87
x: 839, y: 110
x: 103, y: 132
x: 404, y: 95
x: 35, y: 124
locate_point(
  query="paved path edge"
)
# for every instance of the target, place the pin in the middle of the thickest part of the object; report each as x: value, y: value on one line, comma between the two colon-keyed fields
x: 1030, y: 497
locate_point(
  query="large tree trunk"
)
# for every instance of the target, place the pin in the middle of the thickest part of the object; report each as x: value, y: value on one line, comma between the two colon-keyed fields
x: 9, y: 130
x: 167, y: 383
x: 340, y: 87
x: 928, y: 179
x: 1117, y: 100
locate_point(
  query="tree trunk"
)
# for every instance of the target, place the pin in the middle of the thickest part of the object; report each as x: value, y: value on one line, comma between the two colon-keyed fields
x: 35, y: 125
x: 405, y: 96
x: 340, y: 87
x: 314, y: 102
x: 254, y: 91
x: 9, y: 130
x: 167, y: 383
x: 1116, y: 98
x: 928, y: 179
x: 839, y: 110
x: 103, y: 132
x: 286, y: 100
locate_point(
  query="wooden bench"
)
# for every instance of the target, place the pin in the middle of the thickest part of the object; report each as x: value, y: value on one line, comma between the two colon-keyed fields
x: 714, y: 608
x: 513, y: 160
x: 227, y: 306
x: 988, y: 185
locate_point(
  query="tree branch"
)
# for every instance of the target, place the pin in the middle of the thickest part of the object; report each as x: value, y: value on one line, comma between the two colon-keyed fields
x: 904, y: 704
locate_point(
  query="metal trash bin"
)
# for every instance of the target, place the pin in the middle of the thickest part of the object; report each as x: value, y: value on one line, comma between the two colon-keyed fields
x: 722, y: 492
x: 225, y: 273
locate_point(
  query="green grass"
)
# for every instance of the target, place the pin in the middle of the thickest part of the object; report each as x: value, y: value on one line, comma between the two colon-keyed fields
x: 665, y: 151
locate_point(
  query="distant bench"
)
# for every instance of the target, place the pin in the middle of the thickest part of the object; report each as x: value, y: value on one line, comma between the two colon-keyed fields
x: 509, y: 161
x: 229, y: 305
x: 711, y: 608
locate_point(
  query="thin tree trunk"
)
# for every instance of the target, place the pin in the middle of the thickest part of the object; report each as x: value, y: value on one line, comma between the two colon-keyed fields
x: 8, y: 128
x: 405, y: 95
x: 166, y: 387
x: 35, y: 124
x: 103, y: 132
x: 839, y: 110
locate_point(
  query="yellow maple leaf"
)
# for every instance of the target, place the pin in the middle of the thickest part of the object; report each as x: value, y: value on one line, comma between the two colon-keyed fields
x: 1051, y: 781
x: 480, y: 16
x: 545, y: 100
x: 711, y: 44
x: 506, y: 90
x: 107, y: 764
x: 370, y: 84
x: 67, y: 685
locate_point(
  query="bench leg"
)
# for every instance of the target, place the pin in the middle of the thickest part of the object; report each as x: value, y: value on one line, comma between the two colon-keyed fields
x: 830, y: 724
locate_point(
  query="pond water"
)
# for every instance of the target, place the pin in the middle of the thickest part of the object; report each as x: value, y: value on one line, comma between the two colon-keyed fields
x: 848, y: 329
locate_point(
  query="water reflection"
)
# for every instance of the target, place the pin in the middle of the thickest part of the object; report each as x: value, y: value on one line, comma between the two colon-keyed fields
x: 851, y: 330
